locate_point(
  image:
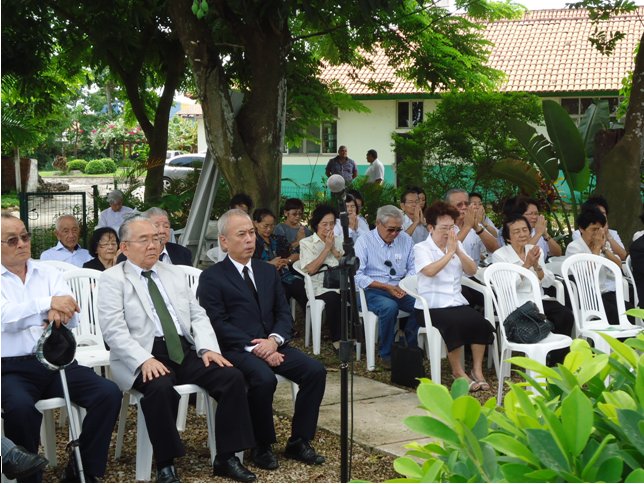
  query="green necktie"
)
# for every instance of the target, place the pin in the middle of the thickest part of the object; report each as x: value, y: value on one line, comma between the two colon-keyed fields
x: 172, y: 341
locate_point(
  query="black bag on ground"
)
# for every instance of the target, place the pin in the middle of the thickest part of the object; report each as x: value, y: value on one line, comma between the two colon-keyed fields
x: 527, y: 325
x: 406, y: 363
x: 331, y: 277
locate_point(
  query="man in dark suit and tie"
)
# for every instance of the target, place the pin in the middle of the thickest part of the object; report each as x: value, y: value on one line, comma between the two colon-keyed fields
x: 159, y: 337
x: 245, y: 301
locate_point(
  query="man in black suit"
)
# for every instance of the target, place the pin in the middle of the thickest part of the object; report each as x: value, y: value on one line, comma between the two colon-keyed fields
x: 245, y: 301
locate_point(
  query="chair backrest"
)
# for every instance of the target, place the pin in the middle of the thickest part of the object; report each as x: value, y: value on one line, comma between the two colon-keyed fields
x: 308, y: 283
x: 554, y: 264
x: 582, y: 273
x: 60, y: 265
x: 192, y: 276
x: 503, y: 278
x: 628, y: 268
x: 409, y: 284
x: 84, y: 286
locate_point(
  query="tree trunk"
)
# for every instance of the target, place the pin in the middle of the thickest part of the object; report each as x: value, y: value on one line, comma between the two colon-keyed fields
x: 620, y: 172
x: 246, y: 145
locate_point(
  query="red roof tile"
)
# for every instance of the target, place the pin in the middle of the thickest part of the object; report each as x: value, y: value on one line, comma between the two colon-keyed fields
x: 546, y: 51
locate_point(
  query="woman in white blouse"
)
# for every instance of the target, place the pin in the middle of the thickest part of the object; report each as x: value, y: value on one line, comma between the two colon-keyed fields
x: 440, y: 262
x: 357, y: 225
x: 324, y: 248
x: 517, y: 233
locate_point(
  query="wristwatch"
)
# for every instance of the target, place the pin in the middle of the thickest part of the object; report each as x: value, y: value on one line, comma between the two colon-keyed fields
x: 276, y: 339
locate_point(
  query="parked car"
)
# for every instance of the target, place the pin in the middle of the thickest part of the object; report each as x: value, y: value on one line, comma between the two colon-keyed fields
x: 179, y: 167
x: 171, y: 153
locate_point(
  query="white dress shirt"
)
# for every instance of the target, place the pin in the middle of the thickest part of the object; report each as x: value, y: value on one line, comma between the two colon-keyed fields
x: 472, y: 244
x: 373, y: 252
x: 524, y: 289
x: 613, y: 233
x: 110, y: 218
x: 363, y: 228
x: 77, y: 257
x: 542, y: 243
x: 310, y: 248
x: 376, y: 171
x: 606, y: 279
x: 444, y: 289
x: 25, y: 306
x: 420, y: 232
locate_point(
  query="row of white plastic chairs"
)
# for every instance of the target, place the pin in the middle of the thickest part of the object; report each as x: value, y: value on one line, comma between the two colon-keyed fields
x: 91, y: 352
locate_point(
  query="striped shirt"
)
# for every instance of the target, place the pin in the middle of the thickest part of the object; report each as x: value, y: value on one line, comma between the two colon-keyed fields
x: 373, y: 252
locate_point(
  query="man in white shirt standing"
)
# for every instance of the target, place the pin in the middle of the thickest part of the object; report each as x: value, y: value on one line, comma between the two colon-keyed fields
x: 376, y: 171
x: 33, y: 296
x: 67, y: 249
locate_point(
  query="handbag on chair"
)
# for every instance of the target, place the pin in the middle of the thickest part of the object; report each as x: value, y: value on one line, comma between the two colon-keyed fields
x: 406, y: 363
x: 527, y: 325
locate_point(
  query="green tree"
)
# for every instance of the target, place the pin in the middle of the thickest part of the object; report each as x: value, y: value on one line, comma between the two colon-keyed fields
x: 466, y: 142
x: 272, y: 52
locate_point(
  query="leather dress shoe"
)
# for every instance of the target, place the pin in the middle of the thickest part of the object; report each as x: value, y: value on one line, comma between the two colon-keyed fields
x: 167, y: 474
x: 232, y: 469
x: 71, y: 474
x: 300, y: 449
x: 264, y: 458
x: 19, y: 462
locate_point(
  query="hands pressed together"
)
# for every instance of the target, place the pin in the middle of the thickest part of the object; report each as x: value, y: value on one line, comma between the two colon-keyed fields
x: 266, y: 349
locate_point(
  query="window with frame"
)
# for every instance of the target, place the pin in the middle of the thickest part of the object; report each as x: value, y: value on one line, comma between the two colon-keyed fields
x: 577, y: 106
x: 409, y: 114
x: 322, y: 139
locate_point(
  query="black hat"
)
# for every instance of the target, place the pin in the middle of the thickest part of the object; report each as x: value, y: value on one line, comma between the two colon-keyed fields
x: 56, y: 347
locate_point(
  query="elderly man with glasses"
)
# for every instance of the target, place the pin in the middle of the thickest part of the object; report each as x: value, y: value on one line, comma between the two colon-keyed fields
x: 386, y: 257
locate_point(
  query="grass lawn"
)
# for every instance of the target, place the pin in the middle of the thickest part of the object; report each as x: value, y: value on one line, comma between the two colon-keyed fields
x: 120, y: 172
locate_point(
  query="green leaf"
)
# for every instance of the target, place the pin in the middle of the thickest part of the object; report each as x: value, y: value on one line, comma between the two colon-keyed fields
x: 620, y: 399
x: 621, y: 349
x: 518, y: 173
x: 565, y: 137
x: 594, y: 120
x: 407, y: 467
x: 577, y: 420
x: 520, y: 473
x: 591, y: 368
x: 639, y: 381
x: 631, y: 424
x: 459, y: 388
x: 610, y: 470
x: 538, y: 147
x: 546, y: 450
x: 431, y: 427
x: 432, y: 470
x: 542, y: 475
x: 507, y: 445
x: 466, y: 409
x: 535, y: 366
x: 636, y: 476
x: 588, y: 473
x: 436, y: 400
x: 581, y: 179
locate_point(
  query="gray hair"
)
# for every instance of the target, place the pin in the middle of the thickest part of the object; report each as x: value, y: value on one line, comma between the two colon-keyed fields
x: 124, y: 229
x: 114, y: 196
x: 62, y: 217
x: 455, y: 190
x: 155, y: 212
x: 388, y: 211
x: 222, y: 223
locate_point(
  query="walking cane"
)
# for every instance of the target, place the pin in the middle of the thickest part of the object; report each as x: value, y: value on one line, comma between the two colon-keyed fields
x: 56, y: 349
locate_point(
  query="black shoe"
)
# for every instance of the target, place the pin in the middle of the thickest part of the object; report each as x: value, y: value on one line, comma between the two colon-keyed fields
x: 264, y: 458
x: 167, y: 474
x: 232, y: 469
x: 71, y: 474
x: 300, y: 449
x: 19, y: 462
x: 385, y: 363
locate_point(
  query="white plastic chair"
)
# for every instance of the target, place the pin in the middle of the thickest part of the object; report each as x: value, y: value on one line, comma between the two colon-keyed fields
x: 314, y: 310
x: 581, y: 273
x: 502, y: 279
x: 627, y: 267
x: 192, y: 276
x: 370, y: 323
x: 60, y: 265
x: 90, y: 346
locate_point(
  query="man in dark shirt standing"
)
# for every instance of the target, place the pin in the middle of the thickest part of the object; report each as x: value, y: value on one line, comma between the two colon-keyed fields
x: 342, y: 165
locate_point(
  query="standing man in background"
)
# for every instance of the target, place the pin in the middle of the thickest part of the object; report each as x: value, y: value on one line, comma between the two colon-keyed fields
x: 342, y: 165
x: 376, y: 171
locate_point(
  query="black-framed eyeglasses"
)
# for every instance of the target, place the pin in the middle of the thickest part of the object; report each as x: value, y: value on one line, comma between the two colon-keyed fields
x: 392, y: 271
x: 394, y: 229
x: 13, y: 241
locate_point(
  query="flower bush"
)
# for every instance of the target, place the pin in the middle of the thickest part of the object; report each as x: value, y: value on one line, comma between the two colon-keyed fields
x: 580, y: 422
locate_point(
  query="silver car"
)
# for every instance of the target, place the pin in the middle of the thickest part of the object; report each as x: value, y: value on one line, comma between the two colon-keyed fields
x: 179, y: 167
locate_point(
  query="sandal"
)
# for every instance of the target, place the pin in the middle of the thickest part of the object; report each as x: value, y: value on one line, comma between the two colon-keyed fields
x: 483, y: 385
x: 474, y: 386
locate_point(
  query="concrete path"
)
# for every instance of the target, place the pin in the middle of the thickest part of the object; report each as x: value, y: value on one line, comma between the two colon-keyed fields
x: 378, y: 412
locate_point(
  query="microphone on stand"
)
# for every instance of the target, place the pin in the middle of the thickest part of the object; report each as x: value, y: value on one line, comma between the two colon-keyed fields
x: 337, y: 186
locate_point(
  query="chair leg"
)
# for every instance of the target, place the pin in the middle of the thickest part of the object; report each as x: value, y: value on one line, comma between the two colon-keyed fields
x: 370, y: 338
x: 504, y: 369
x: 182, y: 412
x: 434, y: 358
x: 210, y: 418
x: 307, y: 326
x: 316, y: 330
x: 120, y: 433
x: 143, y: 448
x: 48, y: 436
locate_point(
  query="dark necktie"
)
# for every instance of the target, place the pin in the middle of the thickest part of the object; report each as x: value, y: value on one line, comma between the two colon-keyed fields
x: 172, y: 341
x: 249, y: 283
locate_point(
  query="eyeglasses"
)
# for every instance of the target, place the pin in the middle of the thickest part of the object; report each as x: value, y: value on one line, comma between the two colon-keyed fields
x: 463, y: 204
x: 391, y: 230
x: 411, y: 202
x: 155, y: 240
x: 13, y: 241
x: 392, y: 271
x: 105, y: 245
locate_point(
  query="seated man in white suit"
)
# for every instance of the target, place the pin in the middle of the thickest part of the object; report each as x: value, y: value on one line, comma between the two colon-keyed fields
x: 159, y: 337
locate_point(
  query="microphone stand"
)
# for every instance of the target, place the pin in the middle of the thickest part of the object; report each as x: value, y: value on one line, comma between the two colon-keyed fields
x: 349, y: 319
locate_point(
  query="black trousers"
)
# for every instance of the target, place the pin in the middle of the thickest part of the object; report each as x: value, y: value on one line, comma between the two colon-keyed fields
x: 563, y: 320
x: 307, y: 372
x: 25, y: 381
x: 332, y: 311
x: 610, y: 306
x: 160, y: 403
x: 296, y: 291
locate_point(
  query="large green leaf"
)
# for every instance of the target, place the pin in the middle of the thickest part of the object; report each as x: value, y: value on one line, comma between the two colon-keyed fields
x: 512, y: 447
x: 610, y: 470
x: 596, y: 118
x: 632, y: 423
x: 431, y: 427
x: 581, y: 179
x: 538, y: 147
x: 467, y: 410
x: 546, y: 449
x: 436, y: 400
x: 517, y: 172
x: 577, y: 420
x: 564, y: 136
x: 407, y: 467
x: 522, y: 473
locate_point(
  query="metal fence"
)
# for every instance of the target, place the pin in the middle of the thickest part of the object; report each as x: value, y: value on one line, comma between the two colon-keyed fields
x: 39, y: 211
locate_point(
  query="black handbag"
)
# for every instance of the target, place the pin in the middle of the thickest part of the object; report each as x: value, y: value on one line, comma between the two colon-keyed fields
x: 406, y: 363
x: 331, y: 277
x: 527, y: 325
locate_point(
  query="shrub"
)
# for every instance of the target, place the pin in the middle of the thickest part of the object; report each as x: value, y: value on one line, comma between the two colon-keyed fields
x: 95, y: 167
x: 77, y: 165
x: 582, y: 423
x: 110, y: 165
